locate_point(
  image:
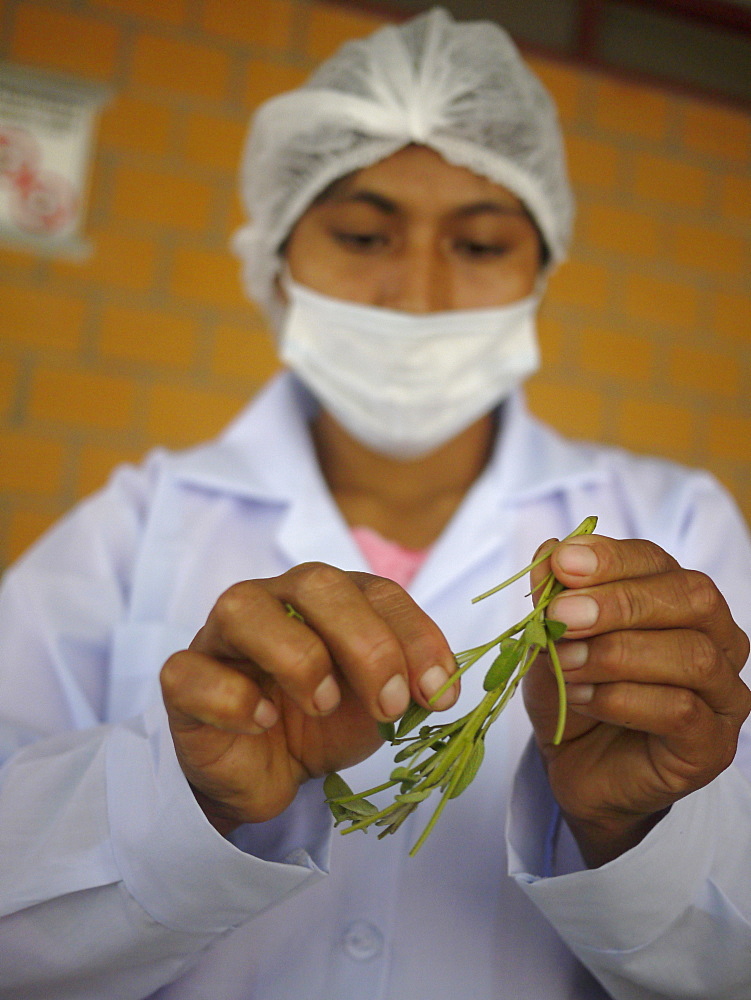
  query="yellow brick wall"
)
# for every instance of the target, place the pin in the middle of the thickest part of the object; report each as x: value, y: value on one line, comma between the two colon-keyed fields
x: 646, y: 331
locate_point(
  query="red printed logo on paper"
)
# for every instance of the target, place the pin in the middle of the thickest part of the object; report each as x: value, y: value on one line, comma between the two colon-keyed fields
x: 41, y: 202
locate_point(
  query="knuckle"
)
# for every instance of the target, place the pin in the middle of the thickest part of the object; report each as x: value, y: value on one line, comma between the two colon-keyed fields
x: 685, y: 710
x: 725, y: 743
x: 225, y: 629
x: 657, y: 560
x: 702, y: 657
x: 172, y: 673
x: 381, y: 653
x: 620, y: 701
x: 316, y: 577
x: 179, y: 668
x: 613, y: 651
x: 621, y: 557
x: 630, y: 604
x: 741, y: 700
x: 703, y: 596
x: 383, y: 592
x: 301, y: 661
x: 234, y: 696
x: 614, y: 555
x: 395, y: 605
x: 233, y: 603
x: 416, y: 630
x: 744, y: 703
x: 743, y: 646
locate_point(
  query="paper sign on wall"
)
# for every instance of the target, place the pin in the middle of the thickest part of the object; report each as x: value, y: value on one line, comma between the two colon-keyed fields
x: 46, y: 128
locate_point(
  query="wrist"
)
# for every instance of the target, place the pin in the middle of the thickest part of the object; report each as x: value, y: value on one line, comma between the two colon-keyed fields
x: 604, y: 840
x: 221, y: 817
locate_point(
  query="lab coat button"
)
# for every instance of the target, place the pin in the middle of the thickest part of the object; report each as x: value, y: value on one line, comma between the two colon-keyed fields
x: 362, y: 940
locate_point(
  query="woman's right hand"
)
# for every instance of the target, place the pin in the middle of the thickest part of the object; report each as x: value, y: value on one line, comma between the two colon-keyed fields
x: 264, y: 699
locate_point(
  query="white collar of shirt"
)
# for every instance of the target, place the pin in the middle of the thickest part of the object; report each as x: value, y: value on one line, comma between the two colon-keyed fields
x: 266, y: 456
x: 249, y: 459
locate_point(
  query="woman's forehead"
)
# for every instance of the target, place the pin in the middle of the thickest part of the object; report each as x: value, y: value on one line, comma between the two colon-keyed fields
x: 417, y: 174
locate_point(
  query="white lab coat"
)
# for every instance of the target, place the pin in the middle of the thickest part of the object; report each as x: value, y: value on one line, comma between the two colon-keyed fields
x: 113, y: 884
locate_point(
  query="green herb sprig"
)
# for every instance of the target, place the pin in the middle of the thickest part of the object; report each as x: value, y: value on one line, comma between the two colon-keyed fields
x: 447, y: 757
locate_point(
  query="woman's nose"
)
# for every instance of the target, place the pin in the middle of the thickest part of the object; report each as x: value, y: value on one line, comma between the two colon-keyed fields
x: 417, y: 281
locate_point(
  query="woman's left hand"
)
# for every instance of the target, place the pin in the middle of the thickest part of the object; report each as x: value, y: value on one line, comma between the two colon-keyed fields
x: 652, y: 659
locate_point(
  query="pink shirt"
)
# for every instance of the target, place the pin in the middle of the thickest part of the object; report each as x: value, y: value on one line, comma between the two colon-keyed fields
x: 387, y: 558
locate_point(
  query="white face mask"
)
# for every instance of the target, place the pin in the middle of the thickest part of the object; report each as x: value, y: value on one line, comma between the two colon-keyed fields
x: 402, y: 383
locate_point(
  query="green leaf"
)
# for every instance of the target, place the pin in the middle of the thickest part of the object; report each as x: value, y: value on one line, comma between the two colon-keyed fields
x: 555, y: 629
x: 339, y: 813
x: 503, y: 665
x: 335, y: 787
x: 470, y: 769
x: 394, y: 820
x: 402, y: 774
x: 386, y: 731
x: 587, y: 526
x: 360, y: 807
x: 535, y: 634
x: 412, y: 718
x: 413, y: 796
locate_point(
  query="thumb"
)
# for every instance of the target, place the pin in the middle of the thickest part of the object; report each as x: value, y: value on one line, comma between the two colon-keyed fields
x: 538, y: 573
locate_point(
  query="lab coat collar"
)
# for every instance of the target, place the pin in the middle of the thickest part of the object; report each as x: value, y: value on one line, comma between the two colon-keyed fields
x: 249, y: 459
x: 531, y: 460
x: 266, y: 455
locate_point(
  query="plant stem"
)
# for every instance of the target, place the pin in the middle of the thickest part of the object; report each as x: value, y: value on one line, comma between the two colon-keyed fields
x: 450, y: 746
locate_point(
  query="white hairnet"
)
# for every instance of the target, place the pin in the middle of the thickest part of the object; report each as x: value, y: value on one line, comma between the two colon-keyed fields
x: 460, y: 88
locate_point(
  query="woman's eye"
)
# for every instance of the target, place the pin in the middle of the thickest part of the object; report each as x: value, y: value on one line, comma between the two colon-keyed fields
x: 360, y: 241
x: 478, y: 249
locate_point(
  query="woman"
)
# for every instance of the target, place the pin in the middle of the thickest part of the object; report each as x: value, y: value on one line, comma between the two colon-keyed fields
x: 406, y: 206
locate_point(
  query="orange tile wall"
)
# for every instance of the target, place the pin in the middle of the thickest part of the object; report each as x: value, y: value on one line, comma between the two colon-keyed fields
x: 646, y: 330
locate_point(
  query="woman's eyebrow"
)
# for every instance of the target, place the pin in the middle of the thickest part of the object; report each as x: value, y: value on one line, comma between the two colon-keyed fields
x: 492, y: 207
x: 366, y: 197
x: 389, y: 207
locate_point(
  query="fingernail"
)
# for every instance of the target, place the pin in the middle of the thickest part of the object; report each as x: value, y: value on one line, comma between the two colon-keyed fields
x: 576, y: 610
x: 265, y: 714
x: 573, y: 654
x: 579, y: 694
x: 433, y: 680
x: 327, y: 695
x: 578, y: 558
x: 394, y: 697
